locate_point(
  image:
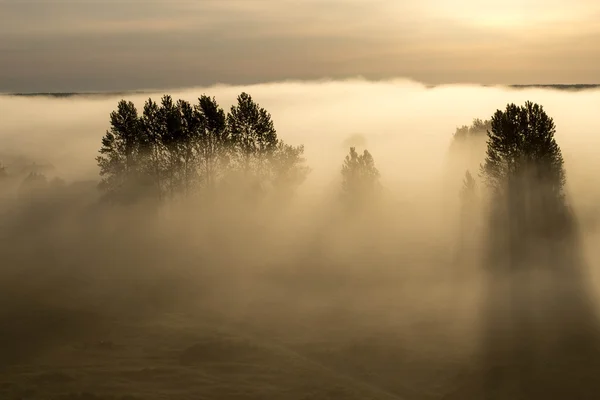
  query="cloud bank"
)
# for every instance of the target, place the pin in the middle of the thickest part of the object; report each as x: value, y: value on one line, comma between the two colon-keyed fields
x: 89, y: 45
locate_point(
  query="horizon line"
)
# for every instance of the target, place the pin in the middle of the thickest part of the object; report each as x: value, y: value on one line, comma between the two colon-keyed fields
x: 561, y: 86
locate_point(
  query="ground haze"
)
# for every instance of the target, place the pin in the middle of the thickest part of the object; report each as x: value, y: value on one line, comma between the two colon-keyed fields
x: 238, y: 298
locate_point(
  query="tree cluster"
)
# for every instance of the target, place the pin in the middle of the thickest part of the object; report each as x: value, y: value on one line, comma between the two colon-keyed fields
x: 175, y: 148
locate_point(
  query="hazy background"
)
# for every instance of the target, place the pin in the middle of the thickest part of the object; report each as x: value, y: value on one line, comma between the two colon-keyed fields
x: 91, y: 45
x: 266, y: 299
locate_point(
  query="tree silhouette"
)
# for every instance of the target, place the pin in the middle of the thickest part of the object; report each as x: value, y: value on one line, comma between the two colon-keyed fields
x: 253, y: 136
x: 524, y: 171
x: 288, y: 167
x: 214, y: 140
x: 152, y: 148
x: 175, y: 147
x: 468, y: 216
x: 360, y: 177
x: 478, y: 129
x: 120, y: 160
x: 467, y: 148
x: 536, y: 284
x: 468, y: 193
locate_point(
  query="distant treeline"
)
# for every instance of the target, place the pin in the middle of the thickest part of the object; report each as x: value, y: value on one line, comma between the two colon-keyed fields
x: 559, y: 86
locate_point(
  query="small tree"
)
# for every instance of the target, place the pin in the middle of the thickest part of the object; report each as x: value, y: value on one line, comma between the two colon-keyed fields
x: 360, y: 178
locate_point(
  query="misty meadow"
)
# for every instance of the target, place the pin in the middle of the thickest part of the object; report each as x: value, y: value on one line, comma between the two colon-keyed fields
x: 328, y: 240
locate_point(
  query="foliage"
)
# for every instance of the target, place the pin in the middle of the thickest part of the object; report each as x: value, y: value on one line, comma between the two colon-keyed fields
x: 174, y: 148
x: 469, y: 189
x: 253, y: 136
x: 213, y: 146
x: 524, y: 171
x: 477, y: 129
x: 121, y: 157
x: 288, y: 166
x: 360, y: 177
x: 522, y: 150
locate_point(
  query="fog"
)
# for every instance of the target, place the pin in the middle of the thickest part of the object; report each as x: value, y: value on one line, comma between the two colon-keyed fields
x: 378, y: 304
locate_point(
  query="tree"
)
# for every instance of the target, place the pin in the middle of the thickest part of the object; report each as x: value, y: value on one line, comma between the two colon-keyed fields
x: 214, y: 140
x: 478, y: 129
x: 173, y: 137
x: 253, y: 136
x: 360, y: 178
x: 468, y: 215
x: 175, y: 147
x: 152, y: 147
x: 524, y: 171
x: 288, y: 167
x: 468, y: 192
x: 120, y: 160
x: 467, y: 148
x: 187, y: 149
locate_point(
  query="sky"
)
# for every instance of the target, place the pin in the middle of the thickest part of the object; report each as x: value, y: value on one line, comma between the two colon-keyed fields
x: 109, y: 45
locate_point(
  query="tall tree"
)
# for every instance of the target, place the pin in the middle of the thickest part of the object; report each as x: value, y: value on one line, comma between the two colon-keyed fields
x: 214, y: 140
x: 253, y: 135
x: 190, y: 135
x: 152, y: 147
x: 467, y: 149
x: 120, y: 162
x: 173, y: 136
x: 524, y: 171
x: 469, y: 190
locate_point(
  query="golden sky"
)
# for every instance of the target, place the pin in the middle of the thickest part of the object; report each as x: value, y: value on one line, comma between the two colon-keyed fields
x: 69, y: 45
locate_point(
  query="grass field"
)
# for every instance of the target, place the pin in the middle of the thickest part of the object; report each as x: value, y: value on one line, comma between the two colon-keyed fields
x: 320, y: 343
